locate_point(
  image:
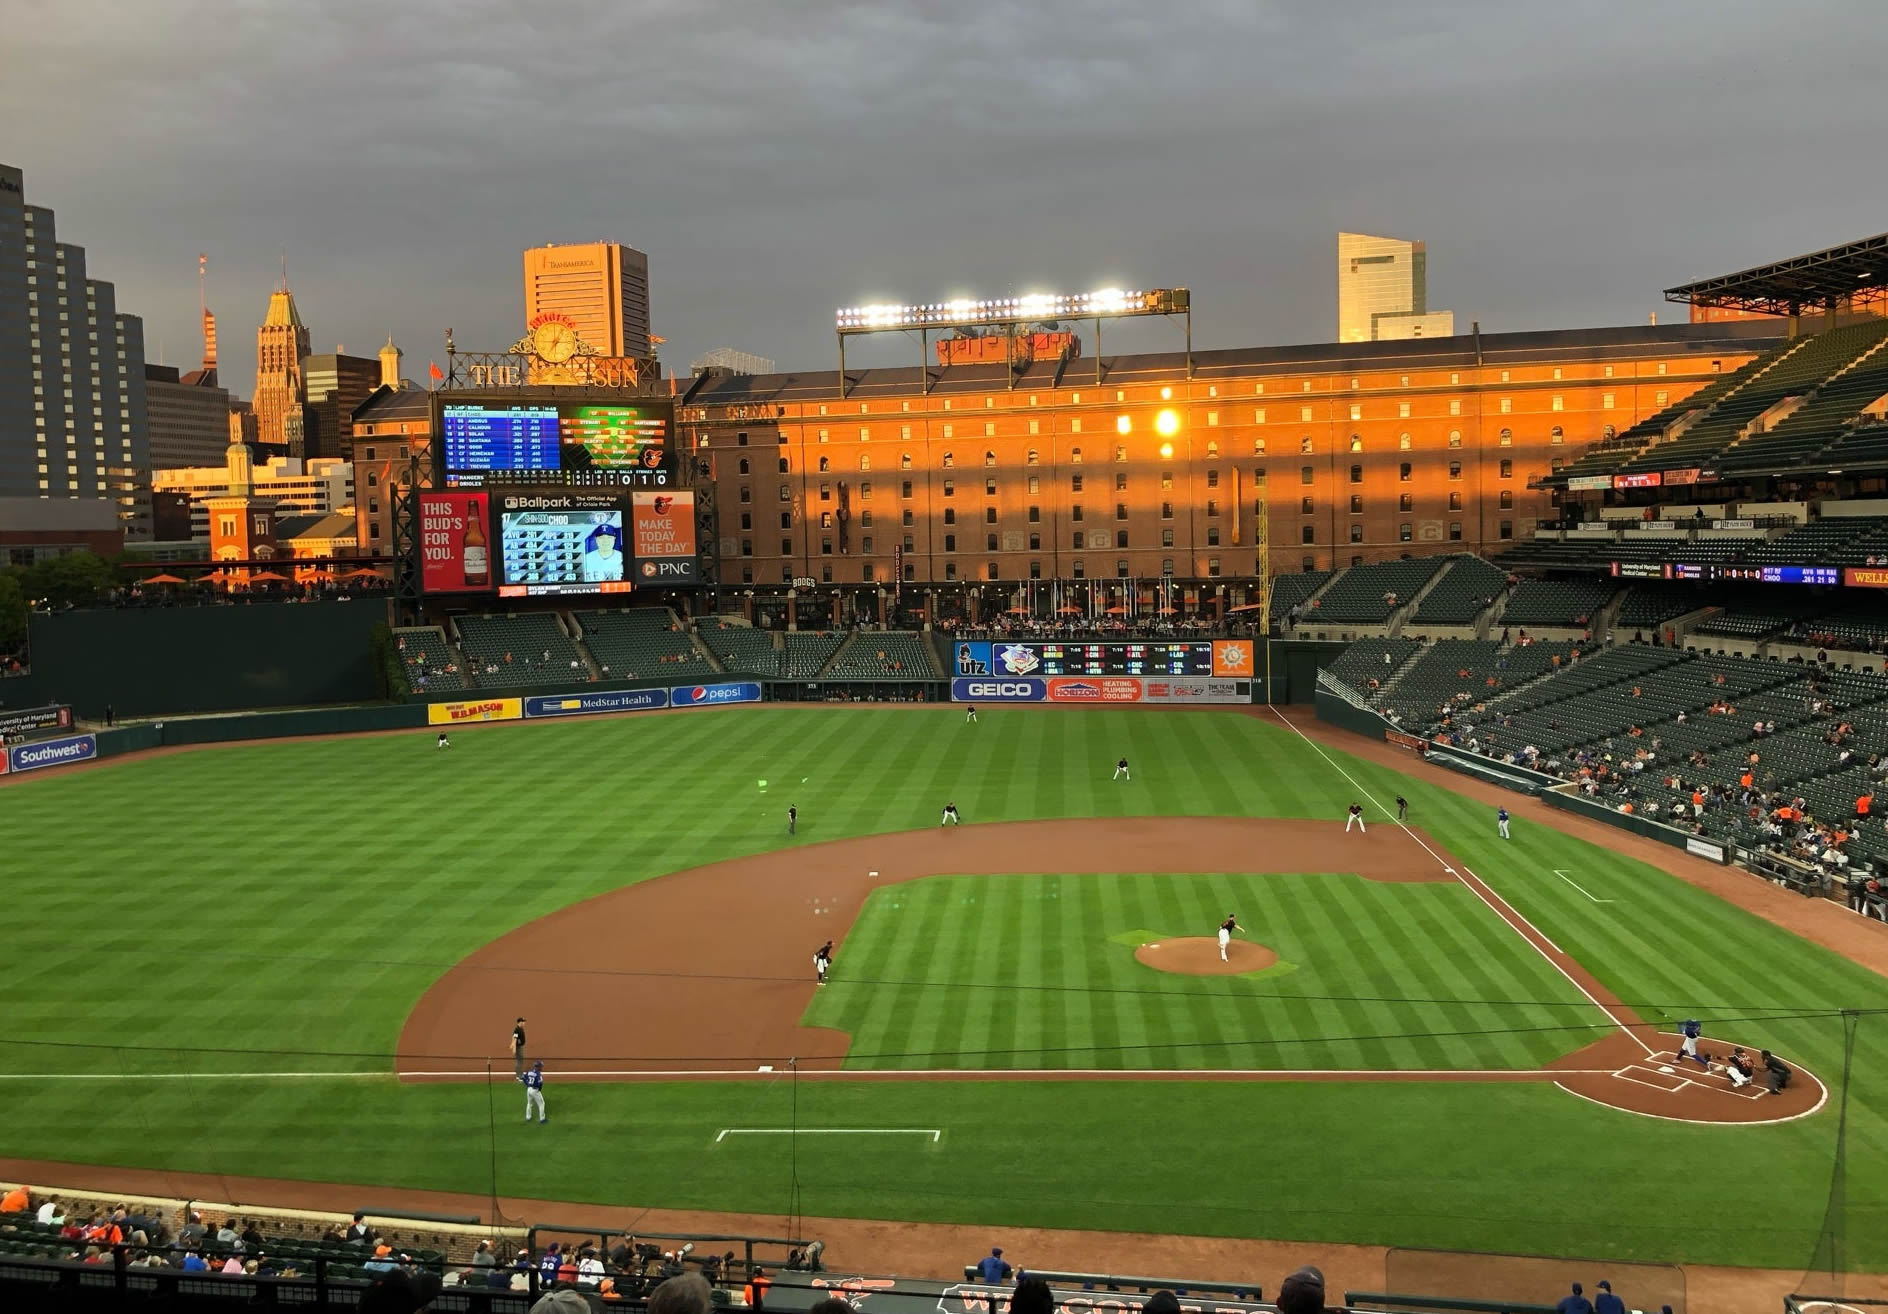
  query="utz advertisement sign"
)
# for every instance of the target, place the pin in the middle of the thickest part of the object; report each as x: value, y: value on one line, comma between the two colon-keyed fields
x: 52, y: 753
x: 663, y: 531
x: 455, y: 553
x: 712, y: 695
x: 590, y: 704
x: 1095, y: 689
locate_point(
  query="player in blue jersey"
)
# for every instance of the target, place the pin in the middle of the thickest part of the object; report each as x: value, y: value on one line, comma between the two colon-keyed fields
x: 1689, y: 1031
x: 534, y: 1092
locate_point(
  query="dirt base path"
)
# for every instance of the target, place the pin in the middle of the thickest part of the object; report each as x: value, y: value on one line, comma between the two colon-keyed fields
x: 726, y: 990
x: 920, y: 1250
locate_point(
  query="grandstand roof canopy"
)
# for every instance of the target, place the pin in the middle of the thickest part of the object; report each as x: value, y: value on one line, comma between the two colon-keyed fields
x: 1819, y: 279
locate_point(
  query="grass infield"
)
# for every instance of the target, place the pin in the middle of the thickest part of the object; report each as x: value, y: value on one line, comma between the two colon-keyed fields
x: 278, y: 908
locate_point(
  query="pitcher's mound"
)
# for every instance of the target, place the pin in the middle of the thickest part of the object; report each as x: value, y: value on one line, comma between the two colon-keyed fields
x: 1196, y: 955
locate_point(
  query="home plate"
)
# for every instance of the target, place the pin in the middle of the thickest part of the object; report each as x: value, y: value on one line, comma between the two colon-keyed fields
x: 1667, y: 1071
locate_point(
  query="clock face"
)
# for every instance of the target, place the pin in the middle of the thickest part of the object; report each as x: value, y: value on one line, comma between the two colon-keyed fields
x: 554, y: 341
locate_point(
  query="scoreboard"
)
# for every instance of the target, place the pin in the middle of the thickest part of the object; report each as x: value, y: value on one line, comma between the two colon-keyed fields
x: 1205, y: 657
x: 491, y: 440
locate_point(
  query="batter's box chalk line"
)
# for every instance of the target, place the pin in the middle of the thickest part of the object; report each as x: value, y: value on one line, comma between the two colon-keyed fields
x: 934, y: 1133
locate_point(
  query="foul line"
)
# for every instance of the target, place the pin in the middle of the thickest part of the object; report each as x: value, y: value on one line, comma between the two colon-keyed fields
x: 1576, y: 885
x: 847, y: 1074
x: 1502, y: 909
x: 934, y: 1133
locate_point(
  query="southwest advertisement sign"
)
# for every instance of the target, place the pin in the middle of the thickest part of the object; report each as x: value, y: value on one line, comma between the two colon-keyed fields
x: 1865, y: 577
x: 995, y: 689
x: 485, y: 709
x: 52, y: 753
x: 663, y: 533
x: 455, y: 555
x: 590, y: 704
x: 28, y: 720
x: 712, y: 695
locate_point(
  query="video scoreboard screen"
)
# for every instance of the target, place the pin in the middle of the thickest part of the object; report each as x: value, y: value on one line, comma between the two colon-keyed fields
x: 571, y: 443
x: 562, y: 543
x: 1826, y: 575
x: 1204, y: 657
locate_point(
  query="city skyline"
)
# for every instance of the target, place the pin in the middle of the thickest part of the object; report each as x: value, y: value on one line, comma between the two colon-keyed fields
x: 1563, y: 168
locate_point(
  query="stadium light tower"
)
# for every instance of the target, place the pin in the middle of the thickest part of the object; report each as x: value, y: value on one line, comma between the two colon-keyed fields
x: 1010, y: 313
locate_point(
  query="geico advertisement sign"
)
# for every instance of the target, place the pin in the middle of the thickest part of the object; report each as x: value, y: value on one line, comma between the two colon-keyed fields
x: 1098, y: 690
x: 978, y: 690
x: 52, y: 753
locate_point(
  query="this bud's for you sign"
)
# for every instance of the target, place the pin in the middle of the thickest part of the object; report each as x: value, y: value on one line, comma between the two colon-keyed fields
x: 455, y: 556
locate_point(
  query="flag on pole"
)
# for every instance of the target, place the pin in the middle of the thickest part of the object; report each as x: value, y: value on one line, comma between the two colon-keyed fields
x: 432, y: 368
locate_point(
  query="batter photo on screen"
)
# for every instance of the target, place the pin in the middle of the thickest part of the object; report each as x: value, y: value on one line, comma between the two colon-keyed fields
x: 603, y: 551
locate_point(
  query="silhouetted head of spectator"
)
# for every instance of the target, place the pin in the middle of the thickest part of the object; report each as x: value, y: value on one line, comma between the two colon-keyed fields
x: 1162, y: 1302
x: 687, y: 1294
x: 1032, y: 1296
x: 831, y: 1305
x: 1302, y: 1292
x: 400, y: 1291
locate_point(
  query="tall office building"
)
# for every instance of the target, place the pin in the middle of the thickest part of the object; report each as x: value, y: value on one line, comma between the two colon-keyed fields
x: 1383, y: 291
x: 603, y: 286
x: 72, y: 418
x: 281, y: 347
x: 187, y: 411
x: 334, y: 383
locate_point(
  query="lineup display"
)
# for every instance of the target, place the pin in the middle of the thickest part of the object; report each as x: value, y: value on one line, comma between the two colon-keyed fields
x: 1205, y: 657
x: 561, y: 543
x: 569, y: 443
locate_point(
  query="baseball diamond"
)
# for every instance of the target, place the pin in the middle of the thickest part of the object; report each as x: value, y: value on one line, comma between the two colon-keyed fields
x: 989, y: 982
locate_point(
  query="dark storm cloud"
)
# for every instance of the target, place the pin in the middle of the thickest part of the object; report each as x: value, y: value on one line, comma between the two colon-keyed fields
x: 1564, y: 162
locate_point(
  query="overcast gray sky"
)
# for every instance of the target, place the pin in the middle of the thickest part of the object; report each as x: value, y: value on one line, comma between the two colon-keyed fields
x: 777, y: 159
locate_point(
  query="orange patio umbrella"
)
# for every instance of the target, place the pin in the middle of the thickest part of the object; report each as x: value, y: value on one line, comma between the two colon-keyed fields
x: 165, y: 579
x: 268, y: 576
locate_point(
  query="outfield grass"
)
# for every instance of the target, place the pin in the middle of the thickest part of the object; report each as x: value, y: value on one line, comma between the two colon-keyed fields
x: 279, y: 907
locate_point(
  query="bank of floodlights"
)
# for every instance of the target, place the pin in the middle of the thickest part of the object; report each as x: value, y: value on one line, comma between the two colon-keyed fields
x: 1009, y: 310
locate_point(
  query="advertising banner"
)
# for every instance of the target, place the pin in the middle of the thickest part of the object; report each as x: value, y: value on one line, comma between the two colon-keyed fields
x: 1105, y: 689
x: 1650, y: 480
x: 1232, y: 657
x: 1196, y: 691
x: 1704, y: 849
x: 1865, y: 577
x: 710, y: 695
x: 663, y: 533
x: 1588, y: 483
x: 487, y: 709
x: 455, y: 556
x: 52, y: 753
x: 589, y: 704
x: 26, y: 720
x: 1675, y: 477
x: 975, y: 689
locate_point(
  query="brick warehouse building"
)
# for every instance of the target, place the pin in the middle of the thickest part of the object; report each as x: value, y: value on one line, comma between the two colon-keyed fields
x: 1360, y: 452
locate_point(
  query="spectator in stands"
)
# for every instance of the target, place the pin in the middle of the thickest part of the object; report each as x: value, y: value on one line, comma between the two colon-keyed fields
x: 16, y: 1201
x: 51, y: 1211
x: 1302, y: 1292
x: 993, y: 1267
x: 687, y: 1294
x: 357, y: 1230
x: 252, y: 1235
x: 1032, y: 1296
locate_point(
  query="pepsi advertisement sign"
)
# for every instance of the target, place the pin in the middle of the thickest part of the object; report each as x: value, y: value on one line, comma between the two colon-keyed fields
x: 52, y: 753
x: 997, y: 689
x: 710, y: 695
x: 589, y: 704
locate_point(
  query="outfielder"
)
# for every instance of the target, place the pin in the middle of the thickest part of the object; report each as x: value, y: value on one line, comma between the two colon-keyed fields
x: 1121, y: 770
x: 445, y: 740
x: 793, y: 818
x: 534, y: 1092
x: 1501, y: 821
x: 823, y: 960
x: 970, y: 714
x: 950, y: 816
x: 1688, y: 1045
x: 1226, y: 928
x: 1355, y: 818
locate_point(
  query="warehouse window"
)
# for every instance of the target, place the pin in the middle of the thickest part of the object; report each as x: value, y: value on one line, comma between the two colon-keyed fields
x: 1455, y: 437
x: 1166, y: 538
x: 1356, y: 505
x: 1403, y: 534
x: 1507, y: 437
x: 1306, y: 474
x: 1306, y: 506
x: 1455, y: 469
x: 1404, y: 471
x: 1356, y: 533
x: 1455, y: 531
x: 1507, y: 469
x: 1356, y: 474
x: 1507, y: 529
x: 1507, y: 499
x: 1309, y: 534
x: 1405, y: 503
x: 950, y: 515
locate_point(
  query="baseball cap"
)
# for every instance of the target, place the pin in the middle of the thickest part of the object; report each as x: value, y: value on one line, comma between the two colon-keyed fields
x: 1302, y: 1292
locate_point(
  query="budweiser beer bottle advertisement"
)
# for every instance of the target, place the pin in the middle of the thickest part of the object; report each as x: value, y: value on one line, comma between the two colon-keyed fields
x: 455, y: 548
x: 478, y: 571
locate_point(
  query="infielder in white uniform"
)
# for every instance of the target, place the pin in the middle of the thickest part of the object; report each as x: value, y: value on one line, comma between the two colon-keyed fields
x: 1355, y: 818
x: 1226, y: 928
x: 1121, y: 770
x: 950, y: 816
